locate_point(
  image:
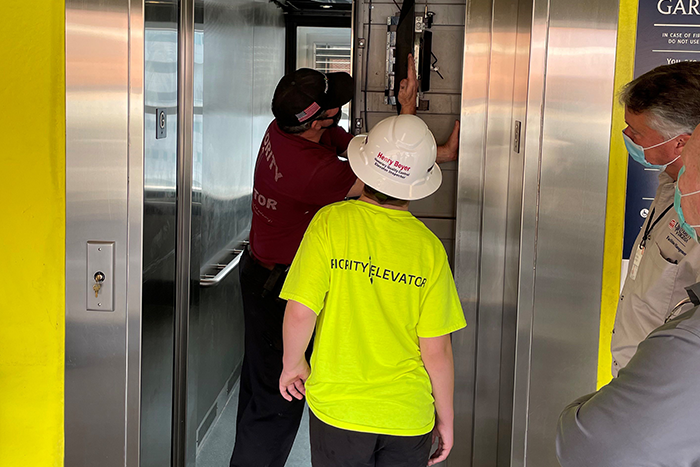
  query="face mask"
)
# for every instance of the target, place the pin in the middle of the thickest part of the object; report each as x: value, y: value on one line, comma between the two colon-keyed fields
x: 690, y: 229
x: 336, y: 119
x: 637, y: 152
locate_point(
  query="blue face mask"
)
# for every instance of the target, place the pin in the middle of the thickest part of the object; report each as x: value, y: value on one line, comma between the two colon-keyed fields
x: 690, y: 229
x: 637, y: 152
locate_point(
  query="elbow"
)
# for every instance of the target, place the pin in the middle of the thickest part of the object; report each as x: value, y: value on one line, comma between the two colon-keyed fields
x: 436, y: 349
x: 563, y: 446
x: 568, y: 442
x: 577, y: 446
x: 297, y: 313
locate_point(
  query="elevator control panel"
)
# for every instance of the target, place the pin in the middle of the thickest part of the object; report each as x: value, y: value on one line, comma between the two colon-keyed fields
x: 100, y: 276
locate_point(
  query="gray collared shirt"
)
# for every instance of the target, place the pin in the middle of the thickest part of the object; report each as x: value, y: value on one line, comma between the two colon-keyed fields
x: 650, y: 414
x: 669, y: 264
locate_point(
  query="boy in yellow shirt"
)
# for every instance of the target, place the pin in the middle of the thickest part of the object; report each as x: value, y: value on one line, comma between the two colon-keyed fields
x: 377, y: 286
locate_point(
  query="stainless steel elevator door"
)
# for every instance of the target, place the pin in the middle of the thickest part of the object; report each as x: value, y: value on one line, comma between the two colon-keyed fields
x: 160, y: 229
x: 530, y: 217
x: 497, y: 46
x: 238, y: 59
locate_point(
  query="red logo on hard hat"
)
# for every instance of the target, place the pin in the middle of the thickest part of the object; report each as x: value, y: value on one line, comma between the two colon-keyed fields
x: 382, y: 157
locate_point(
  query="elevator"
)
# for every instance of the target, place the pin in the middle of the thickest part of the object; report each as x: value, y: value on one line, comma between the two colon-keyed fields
x: 166, y: 104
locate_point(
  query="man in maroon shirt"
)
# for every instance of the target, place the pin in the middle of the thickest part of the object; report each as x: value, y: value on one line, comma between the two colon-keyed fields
x: 298, y: 171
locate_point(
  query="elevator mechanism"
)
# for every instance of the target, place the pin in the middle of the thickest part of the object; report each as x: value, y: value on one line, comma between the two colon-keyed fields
x: 408, y: 32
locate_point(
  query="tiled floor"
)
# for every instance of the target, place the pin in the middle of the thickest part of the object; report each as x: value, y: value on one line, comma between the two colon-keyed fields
x: 218, y: 445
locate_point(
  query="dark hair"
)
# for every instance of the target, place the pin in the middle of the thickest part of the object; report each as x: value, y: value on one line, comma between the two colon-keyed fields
x: 671, y: 96
x: 297, y: 129
x: 382, y: 198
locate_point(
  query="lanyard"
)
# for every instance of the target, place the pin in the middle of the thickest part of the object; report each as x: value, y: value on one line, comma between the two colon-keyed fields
x: 650, y: 226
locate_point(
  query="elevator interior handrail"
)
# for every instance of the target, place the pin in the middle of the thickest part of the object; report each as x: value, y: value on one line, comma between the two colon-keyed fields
x: 207, y: 280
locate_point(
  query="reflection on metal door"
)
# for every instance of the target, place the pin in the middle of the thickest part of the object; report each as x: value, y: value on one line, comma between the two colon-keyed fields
x: 235, y: 59
x: 530, y: 223
x: 160, y: 230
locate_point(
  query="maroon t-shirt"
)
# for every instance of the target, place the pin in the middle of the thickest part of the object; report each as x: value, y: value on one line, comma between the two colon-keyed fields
x: 294, y: 178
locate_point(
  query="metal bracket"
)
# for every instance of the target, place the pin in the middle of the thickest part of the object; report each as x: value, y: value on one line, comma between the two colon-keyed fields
x: 358, y: 125
x: 389, y: 74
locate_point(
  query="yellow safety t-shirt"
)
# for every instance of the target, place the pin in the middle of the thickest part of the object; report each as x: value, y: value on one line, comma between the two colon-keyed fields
x: 378, y: 280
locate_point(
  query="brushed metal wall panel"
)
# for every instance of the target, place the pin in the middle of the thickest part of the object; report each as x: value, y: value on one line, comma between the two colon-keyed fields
x: 490, y: 364
x: 468, y: 234
x: 488, y: 227
x: 135, y: 231
x: 532, y: 145
x: 523, y: 61
x: 575, y: 138
x: 98, y: 126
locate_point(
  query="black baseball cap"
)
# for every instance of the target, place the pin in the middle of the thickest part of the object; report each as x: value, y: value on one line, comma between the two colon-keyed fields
x: 302, y: 95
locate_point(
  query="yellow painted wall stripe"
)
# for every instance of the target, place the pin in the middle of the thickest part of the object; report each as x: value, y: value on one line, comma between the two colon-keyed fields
x: 32, y: 233
x: 617, y: 189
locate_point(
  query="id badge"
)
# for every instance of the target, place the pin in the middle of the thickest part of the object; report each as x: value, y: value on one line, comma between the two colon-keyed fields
x: 635, y: 264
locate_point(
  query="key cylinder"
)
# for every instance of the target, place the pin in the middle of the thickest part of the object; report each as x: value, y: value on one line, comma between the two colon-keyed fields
x: 100, y: 276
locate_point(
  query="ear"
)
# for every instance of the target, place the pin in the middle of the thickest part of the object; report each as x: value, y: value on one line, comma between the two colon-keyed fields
x: 682, y: 139
x: 316, y: 125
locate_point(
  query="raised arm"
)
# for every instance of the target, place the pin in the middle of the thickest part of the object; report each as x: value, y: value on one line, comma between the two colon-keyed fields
x: 408, y: 89
x: 408, y: 93
x: 448, y: 152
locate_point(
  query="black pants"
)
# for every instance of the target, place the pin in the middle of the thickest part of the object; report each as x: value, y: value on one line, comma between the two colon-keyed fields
x: 266, y: 424
x: 334, y: 447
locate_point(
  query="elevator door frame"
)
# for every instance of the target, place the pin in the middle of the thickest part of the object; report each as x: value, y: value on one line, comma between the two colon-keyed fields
x: 534, y: 319
x: 104, y: 202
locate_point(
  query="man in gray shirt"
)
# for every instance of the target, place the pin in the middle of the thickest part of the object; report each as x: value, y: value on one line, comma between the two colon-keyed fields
x: 661, y: 109
x: 650, y: 414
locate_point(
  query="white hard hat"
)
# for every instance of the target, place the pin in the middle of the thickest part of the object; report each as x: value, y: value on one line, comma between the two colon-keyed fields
x: 397, y: 158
